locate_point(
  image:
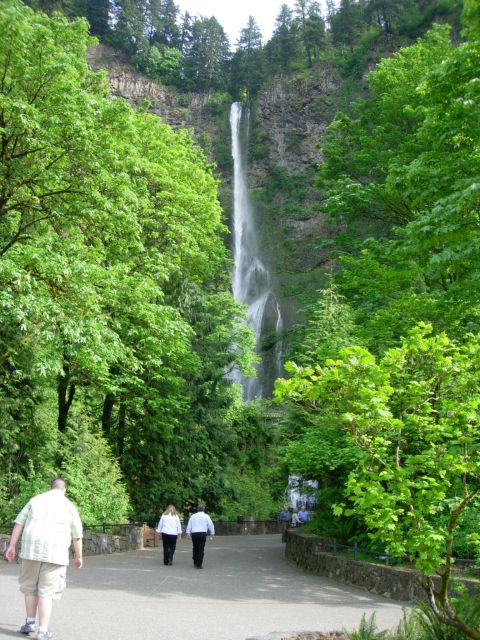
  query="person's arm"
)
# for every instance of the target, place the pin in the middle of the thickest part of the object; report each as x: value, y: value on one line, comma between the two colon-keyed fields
x: 10, y: 553
x: 159, y: 525
x: 211, y: 528
x: 179, y: 528
x: 189, y: 527
x: 78, y: 546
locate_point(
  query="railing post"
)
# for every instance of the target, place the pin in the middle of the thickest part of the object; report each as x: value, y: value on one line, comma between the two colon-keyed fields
x: 355, y: 550
x: 334, y: 546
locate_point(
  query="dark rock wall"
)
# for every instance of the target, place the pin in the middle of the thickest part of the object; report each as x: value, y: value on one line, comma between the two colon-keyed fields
x: 179, y: 110
x: 289, y: 116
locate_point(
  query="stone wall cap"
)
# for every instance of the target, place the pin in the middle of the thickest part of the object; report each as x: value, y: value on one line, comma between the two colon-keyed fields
x: 302, y: 635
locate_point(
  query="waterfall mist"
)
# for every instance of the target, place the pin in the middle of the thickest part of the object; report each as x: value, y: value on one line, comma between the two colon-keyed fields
x: 251, y: 279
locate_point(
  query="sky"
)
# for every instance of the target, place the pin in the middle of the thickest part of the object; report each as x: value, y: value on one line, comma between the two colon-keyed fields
x: 233, y: 14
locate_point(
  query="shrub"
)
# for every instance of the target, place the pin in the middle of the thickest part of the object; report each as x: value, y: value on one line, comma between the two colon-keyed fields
x: 94, y: 478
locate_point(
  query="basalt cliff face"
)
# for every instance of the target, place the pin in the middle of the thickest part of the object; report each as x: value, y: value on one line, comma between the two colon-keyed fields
x: 179, y: 110
x: 291, y: 116
x: 289, y: 119
x: 294, y: 113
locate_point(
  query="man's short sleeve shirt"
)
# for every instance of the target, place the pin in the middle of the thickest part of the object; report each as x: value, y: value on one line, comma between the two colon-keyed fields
x: 50, y: 521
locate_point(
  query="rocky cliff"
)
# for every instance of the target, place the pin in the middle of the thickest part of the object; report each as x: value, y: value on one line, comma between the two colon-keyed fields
x: 294, y: 113
x: 179, y: 110
x: 290, y: 116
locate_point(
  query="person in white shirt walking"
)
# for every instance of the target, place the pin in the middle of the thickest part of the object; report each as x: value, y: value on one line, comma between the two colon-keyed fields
x: 170, y: 528
x: 47, y: 524
x: 199, y: 526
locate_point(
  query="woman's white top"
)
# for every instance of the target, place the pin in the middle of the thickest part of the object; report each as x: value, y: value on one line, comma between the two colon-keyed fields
x: 169, y: 524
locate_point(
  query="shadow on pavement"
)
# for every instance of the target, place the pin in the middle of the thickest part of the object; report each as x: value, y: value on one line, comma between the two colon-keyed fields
x: 236, y: 568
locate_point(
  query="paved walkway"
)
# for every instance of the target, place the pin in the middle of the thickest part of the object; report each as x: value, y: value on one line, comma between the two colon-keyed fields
x: 245, y: 589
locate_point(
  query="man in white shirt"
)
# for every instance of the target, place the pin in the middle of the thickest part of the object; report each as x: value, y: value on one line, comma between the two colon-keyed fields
x: 47, y: 524
x: 198, y: 527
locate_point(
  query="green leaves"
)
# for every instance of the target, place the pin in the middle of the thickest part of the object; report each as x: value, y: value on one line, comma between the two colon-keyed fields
x: 419, y: 430
x: 109, y: 221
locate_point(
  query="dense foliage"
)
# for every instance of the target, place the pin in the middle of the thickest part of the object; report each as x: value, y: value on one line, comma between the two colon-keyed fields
x: 385, y: 402
x: 117, y: 325
x: 193, y: 52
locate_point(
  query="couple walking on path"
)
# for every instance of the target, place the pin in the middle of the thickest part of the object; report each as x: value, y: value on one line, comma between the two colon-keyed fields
x: 199, y: 526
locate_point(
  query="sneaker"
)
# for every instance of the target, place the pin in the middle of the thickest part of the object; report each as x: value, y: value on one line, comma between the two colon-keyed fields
x: 45, y: 635
x: 28, y: 627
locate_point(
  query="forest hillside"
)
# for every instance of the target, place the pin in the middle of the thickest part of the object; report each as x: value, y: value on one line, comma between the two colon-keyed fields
x: 119, y: 332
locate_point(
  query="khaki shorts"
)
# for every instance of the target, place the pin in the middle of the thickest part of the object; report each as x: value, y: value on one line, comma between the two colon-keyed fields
x: 42, y: 579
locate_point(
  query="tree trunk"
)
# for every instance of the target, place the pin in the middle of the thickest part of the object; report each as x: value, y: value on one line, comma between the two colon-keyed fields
x: 108, y: 405
x: 122, y: 414
x: 66, y: 392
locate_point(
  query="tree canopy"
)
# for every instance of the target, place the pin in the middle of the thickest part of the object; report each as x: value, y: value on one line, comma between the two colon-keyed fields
x: 113, y: 289
x: 382, y: 388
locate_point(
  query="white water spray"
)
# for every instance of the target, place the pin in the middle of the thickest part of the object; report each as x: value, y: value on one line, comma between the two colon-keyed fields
x: 251, y: 281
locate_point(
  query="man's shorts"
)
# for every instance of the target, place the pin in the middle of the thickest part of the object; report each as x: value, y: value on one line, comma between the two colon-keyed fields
x: 42, y: 579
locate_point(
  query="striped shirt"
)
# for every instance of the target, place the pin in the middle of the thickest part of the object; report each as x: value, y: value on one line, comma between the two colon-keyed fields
x: 49, y: 521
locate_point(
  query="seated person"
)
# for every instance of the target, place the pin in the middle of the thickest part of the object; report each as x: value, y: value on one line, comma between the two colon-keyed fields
x: 285, y: 515
x: 303, y: 516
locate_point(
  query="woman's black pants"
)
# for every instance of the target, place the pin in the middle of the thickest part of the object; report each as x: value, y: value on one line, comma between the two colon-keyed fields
x: 169, y: 543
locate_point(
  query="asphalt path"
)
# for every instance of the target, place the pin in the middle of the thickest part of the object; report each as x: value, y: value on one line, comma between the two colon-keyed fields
x: 246, y: 589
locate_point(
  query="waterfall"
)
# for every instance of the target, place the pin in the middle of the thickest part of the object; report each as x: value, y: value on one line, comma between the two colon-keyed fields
x: 251, y: 279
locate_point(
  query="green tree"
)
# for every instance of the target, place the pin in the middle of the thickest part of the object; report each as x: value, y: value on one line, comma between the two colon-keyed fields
x: 57, y: 182
x: 347, y: 24
x: 68, y: 7
x: 97, y: 13
x: 185, y: 35
x: 247, y: 62
x: 414, y: 416
x: 130, y: 24
x: 162, y: 17
x: 386, y: 12
x: 471, y: 19
x: 311, y: 26
x: 360, y: 151
x: 281, y: 49
x: 409, y: 159
x: 207, y: 55
x: 329, y: 458
x: 330, y: 326
x: 94, y: 478
x: 106, y: 217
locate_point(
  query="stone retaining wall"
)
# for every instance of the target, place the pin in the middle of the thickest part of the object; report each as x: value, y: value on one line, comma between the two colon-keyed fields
x: 248, y: 526
x: 125, y: 538
x: 397, y: 583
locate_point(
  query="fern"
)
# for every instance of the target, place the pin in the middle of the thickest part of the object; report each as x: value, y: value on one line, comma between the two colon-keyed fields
x: 368, y: 630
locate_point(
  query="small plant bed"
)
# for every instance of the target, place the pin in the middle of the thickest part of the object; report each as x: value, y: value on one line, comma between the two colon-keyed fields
x: 317, y: 635
x: 305, y: 635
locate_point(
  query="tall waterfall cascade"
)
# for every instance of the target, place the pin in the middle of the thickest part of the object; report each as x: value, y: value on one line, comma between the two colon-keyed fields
x: 251, y: 279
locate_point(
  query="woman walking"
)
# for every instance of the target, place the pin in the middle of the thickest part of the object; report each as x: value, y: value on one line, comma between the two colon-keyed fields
x: 170, y: 529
